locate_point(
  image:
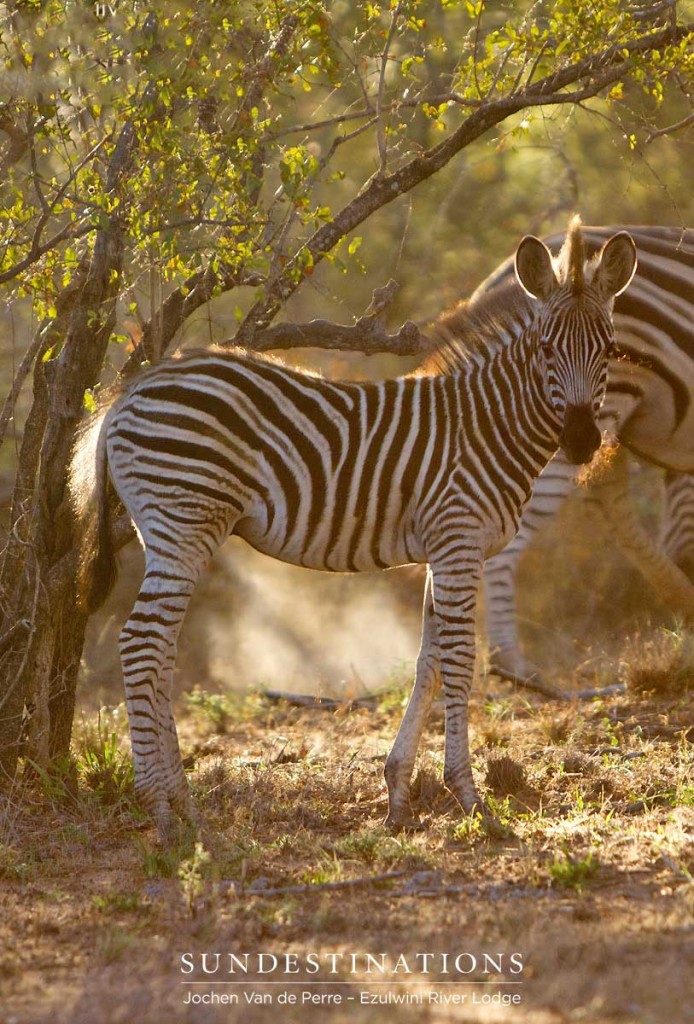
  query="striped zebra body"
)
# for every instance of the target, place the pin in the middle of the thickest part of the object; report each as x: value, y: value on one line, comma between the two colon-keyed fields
x: 432, y: 468
x: 677, y: 534
x: 338, y: 476
x: 649, y: 407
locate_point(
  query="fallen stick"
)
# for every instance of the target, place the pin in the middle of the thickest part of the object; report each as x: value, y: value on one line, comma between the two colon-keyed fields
x: 295, y: 890
x: 303, y: 700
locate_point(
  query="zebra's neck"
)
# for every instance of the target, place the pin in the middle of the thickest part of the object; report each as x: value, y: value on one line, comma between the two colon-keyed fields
x: 503, y: 395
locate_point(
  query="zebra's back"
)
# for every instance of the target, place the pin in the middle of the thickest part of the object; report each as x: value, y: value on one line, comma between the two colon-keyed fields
x: 318, y: 473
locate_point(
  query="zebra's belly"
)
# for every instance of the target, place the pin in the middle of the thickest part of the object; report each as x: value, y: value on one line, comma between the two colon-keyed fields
x: 343, y: 547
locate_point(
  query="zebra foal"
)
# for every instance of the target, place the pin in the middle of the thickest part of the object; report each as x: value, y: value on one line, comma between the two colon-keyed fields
x: 432, y: 468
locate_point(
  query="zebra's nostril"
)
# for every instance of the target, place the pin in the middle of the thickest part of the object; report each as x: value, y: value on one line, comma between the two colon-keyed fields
x: 580, y: 437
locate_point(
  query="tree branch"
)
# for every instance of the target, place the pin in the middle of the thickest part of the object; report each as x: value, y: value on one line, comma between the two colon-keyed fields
x: 37, y: 250
x: 48, y: 334
x: 200, y: 287
x: 684, y: 123
x: 367, y: 335
x: 12, y: 633
x: 348, y: 883
x: 381, y: 190
x: 195, y: 292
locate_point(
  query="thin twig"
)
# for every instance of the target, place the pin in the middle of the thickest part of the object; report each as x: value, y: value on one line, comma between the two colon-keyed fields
x: 36, y: 250
x: 670, y: 128
x: 381, y: 128
x: 451, y: 96
x: 7, y: 638
x: 536, y: 63
x: 19, y: 378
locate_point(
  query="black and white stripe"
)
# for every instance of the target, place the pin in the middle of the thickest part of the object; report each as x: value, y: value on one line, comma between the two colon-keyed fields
x: 432, y: 468
x: 649, y: 406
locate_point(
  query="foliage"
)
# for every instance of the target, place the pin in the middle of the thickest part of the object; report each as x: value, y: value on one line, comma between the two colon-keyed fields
x: 217, y: 708
x: 106, y: 769
x: 573, y: 872
x: 220, y: 177
x: 191, y: 873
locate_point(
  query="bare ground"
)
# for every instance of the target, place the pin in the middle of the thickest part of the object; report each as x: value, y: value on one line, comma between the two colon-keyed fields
x: 593, y: 890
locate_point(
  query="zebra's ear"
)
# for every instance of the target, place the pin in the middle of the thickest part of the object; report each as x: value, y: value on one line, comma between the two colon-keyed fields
x: 534, y: 268
x: 616, y: 265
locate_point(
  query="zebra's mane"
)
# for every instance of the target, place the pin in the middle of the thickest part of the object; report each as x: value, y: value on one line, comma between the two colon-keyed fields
x: 570, y: 263
x: 474, y: 328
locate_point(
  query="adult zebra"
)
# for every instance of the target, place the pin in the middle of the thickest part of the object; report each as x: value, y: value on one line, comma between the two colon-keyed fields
x: 649, y: 406
x: 432, y: 468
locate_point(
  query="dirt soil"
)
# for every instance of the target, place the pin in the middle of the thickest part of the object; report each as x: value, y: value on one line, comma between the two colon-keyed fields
x: 582, y: 913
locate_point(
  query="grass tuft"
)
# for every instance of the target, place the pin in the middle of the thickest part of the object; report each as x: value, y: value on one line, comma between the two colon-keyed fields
x: 662, y: 665
x: 219, y: 711
x: 505, y: 776
x: 427, y: 792
x: 568, y: 872
x: 577, y: 763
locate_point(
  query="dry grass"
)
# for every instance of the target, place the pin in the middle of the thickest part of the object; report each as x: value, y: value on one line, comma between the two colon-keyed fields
x: 662, y: 665
x: 505, y: 777
x: 594, y: 885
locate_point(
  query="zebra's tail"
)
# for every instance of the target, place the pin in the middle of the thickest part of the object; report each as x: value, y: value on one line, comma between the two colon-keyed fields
x: 91, y: 495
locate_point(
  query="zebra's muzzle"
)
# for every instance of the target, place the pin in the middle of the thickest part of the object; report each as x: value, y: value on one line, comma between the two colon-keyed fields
x: 580, y: 437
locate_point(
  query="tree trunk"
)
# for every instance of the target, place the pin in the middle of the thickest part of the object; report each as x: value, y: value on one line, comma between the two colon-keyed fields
x: 39, y: 673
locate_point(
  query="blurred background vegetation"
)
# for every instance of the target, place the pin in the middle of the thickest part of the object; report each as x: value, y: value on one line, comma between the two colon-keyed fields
x: 180, y: 72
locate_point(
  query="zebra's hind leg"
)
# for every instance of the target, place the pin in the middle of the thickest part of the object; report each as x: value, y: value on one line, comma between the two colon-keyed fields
x: 148, y: 652
x: 179, y: 793
x: 677, y: 532
x: 668, y: 580
x: 506, y: 658
x: 398, y: 769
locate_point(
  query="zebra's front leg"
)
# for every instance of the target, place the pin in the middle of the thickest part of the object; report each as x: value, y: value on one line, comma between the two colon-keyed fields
x: 398, y: 769
x: 455, y: 591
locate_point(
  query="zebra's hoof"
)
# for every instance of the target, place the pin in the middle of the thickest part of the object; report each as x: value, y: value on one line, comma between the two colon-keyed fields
x: 169, y: 829
x: 405, y: 821
x: 177, y: 823
x: 188, y: 814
